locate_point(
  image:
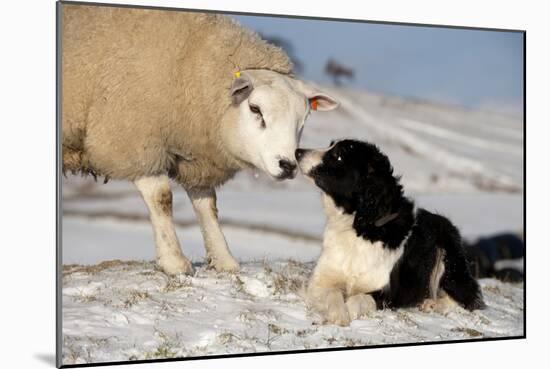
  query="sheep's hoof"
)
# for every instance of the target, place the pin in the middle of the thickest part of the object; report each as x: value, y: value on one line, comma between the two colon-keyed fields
x: 227, y: 264
x: 174, y: 266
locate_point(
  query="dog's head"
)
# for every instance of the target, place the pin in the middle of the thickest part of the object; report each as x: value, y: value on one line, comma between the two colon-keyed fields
x: 357, y: 176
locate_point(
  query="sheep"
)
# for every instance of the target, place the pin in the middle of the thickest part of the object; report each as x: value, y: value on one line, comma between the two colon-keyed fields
x: 151, y: 96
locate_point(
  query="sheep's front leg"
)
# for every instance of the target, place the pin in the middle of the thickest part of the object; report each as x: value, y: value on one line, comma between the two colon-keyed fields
x: 217, y: 253
x: 158, y: 196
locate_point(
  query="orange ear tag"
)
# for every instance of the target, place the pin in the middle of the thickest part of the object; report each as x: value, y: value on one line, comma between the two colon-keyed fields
x: 313, y: 104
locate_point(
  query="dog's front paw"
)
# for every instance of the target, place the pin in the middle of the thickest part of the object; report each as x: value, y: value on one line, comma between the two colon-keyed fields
x: 338, y: 314
x: 428, y: 306
x: 440, y: 305
x: 360, y: 305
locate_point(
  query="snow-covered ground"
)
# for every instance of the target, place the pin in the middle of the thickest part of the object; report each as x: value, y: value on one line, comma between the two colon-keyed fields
x: 465, y: 164
x: 119, y: 311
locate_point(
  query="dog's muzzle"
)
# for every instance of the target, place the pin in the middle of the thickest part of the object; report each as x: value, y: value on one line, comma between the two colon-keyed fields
x: 308, y: 159
x: 299, y: 154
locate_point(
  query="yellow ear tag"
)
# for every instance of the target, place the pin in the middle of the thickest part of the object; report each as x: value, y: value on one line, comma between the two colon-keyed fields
x: 237, y: 74
x: 313, y: 104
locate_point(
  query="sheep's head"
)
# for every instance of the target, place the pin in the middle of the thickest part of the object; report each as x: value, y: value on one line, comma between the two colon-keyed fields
x: 271, y: 109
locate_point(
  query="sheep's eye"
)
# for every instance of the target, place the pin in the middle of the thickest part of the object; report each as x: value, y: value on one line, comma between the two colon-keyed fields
x: 339, y: 158
x: 255, y: 109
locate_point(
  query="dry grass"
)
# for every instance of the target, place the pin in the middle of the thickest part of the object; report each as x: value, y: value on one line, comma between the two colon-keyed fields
x: 176, y: 283
x: 290, y: 279
x: 469, y: 331
x: 405, y: 318
x: 85, y: 298
x: 135, y: 297
x: 94, y: 269
x: 163, y: 351
x: 226, y: 337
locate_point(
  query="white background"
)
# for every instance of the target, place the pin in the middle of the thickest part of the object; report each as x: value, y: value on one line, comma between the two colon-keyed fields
x: 27, y: 154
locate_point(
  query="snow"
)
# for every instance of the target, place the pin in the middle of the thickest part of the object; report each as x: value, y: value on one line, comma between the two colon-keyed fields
x: 465, y: 164
x: 119, y: 311
x: 109, y: 239
x: 97, y: 229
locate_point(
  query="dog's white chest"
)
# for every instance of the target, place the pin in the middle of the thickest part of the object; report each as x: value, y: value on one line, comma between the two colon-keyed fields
x: 355, y: 264
x: 364, y: 266
x: 371, y: 268
x: 361, y: 266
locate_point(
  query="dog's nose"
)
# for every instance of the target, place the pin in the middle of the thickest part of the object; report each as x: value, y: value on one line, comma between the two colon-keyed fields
x: 299, y: 153
x: 288, y: 168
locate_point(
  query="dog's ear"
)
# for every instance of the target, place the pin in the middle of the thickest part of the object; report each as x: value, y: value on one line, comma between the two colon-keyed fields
x: 375, y: 201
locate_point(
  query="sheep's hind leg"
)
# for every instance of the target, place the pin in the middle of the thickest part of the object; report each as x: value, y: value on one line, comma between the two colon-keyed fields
x: 158, y: 196
x: 217, y: 253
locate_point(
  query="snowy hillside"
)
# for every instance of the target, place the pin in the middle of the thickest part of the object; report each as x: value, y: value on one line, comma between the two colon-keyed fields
x: 465, y: 164
x: 435, y: 147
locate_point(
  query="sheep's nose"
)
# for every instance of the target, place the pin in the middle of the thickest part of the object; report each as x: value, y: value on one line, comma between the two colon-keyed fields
x: 288, y: 168
x: 299, y: 154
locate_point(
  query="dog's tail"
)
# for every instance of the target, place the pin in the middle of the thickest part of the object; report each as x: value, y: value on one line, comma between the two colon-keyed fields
x: 457, y: 280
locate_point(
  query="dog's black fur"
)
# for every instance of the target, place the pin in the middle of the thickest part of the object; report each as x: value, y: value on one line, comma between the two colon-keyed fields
x: 359, y: 178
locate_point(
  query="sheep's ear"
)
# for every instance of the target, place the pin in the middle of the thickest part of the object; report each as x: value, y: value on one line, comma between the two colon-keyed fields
x: 317, y: 99
x: 241, y: 89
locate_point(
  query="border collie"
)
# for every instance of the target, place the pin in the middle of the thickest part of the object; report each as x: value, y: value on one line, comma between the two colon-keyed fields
x: 378, y: 250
